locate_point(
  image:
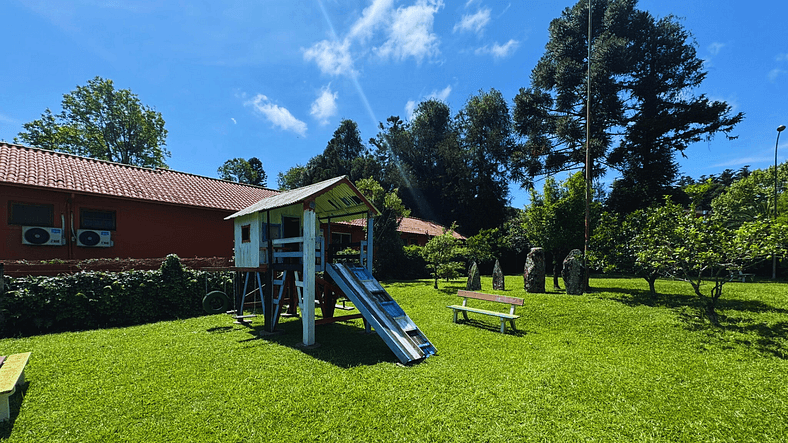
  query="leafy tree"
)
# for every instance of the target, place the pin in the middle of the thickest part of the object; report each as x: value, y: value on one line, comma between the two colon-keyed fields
x: 345, y: 154
x: 101, y: 122
x: 643, y: 73
x: 392, y: 139
x: 441, y: 253
x: 243, y: 171
x: 752, y: 198
x: 389, y: 254
x: 438, y: 183
x: 701, y: 250
x: 700, y: 193
x: 486, y: 137
x: 291, y: 179
x: 555, y: 219
x: 615, y: 245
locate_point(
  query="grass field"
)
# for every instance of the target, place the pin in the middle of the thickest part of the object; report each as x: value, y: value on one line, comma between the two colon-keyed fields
x: 613, y: 365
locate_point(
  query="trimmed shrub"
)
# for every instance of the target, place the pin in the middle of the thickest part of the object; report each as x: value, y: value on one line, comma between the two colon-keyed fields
x: 90, y: 300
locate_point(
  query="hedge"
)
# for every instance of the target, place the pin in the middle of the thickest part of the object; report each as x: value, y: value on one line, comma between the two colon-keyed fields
x: 90, y: 300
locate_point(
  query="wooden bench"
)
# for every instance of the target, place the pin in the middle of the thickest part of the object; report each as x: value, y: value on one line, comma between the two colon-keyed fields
x: 12, y: 374
x: 741, y: 276
x: 511, y: 301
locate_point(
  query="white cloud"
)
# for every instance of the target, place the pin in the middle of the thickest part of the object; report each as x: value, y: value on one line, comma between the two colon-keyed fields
x: 411, y: 33
x: 332, y: 57
x: 325, y: 106
x: 473, y: 23
x: 234, y: 122
x: 716, y: 47
x: 775, y: 73
x: 410, y: 107
x: 442, y: 95
x: 499, y: 51
x: 782, y: 57
x: 277, y: 115
x: 373, y: 16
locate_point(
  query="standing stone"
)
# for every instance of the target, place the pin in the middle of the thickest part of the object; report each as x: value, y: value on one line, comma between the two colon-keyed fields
x: 573, y: 272
x: 498, y: 281
x: 534, y: 272
x: 474, y: 279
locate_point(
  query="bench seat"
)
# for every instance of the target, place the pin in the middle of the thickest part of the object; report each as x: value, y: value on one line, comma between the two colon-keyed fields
x: 12, y: 374
x: 503, y: 299
x: 485, y: 312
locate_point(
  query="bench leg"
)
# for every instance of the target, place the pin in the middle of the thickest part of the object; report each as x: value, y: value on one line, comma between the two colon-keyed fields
x: 5, y: 410
x: 503, y: 326
x: 465, y: 315
x: 455, y: 315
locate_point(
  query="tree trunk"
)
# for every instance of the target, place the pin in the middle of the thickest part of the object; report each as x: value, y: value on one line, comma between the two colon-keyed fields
x: 555, y: 271
x: 651, y: 279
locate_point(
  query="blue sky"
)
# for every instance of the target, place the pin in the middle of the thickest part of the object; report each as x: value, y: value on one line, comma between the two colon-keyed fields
x: 272, y: 79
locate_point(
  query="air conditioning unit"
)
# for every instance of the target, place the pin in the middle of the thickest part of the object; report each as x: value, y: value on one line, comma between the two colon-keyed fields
x: 91, y: 238
x: 41, y: 236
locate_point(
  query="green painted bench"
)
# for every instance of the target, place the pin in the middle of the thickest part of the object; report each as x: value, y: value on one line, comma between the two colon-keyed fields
x: 504, y: 317
x: 12, y: 374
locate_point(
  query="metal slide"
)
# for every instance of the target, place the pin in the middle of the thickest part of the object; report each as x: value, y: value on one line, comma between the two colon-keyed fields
x: 381, y: 311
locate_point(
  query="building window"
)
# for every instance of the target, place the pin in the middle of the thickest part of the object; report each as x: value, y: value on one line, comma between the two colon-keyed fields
x: 99, y: 220
x: 340, y: 238
x: 246, y: 233
x: 30, y: 214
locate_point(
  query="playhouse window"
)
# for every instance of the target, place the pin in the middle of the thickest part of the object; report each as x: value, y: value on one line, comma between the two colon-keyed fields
x: 93, y: 219
x: 246, y: 233
x: 30, y: 214
x: 291, y: 227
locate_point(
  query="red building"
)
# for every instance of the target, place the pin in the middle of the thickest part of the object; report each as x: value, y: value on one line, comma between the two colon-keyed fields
x: 61, y: 206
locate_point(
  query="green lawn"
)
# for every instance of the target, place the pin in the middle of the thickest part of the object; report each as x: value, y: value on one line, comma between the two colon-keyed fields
x: 613, y: 365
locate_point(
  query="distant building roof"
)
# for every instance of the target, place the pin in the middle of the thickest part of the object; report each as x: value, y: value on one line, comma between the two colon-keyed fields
x: 413, y: 225
x: 39, y: 168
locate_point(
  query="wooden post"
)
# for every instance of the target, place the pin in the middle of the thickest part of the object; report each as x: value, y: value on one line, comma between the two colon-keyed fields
x: 2, y: 292
x: 370, y: 246
x: 308, y: 307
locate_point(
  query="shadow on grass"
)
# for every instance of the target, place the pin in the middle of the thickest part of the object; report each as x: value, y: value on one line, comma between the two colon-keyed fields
x: 344, y: 345
x: 733, y: 316
x: 14, y: 404
x: 489, y: 326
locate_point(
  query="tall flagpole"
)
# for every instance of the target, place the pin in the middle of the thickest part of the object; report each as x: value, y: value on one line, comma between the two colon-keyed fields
x: 588, y: 153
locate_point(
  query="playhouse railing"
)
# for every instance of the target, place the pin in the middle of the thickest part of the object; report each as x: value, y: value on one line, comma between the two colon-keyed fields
x: 281, y: 251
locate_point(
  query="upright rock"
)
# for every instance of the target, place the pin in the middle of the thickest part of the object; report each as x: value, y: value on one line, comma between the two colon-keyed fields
x: 498, y: 280
x: 474, y: 279
x: 573, y: 273
x: 534, y: 272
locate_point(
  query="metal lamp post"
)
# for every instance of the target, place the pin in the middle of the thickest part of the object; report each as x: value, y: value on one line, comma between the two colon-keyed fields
x: 780, y: 129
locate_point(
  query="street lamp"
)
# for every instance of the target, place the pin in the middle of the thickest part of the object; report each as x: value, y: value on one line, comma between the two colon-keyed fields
x: 780, y: 129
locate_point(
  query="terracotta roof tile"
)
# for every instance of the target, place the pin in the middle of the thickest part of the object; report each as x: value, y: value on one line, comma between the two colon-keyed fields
x: 25, y: 166
x: 414, y: 225
x: 418, y: 226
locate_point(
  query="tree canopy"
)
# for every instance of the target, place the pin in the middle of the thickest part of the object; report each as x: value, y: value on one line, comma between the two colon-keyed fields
x: 243, y: 171
x: 643, y: 74
x: 101, y: 122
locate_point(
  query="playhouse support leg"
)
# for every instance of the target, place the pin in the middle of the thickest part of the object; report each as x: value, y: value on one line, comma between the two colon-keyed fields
x: 269, y: 322
x: 308, y: 307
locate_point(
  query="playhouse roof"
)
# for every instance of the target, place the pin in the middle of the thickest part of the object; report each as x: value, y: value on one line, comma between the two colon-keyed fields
x: 39, y: 168
x: 336, y: 198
